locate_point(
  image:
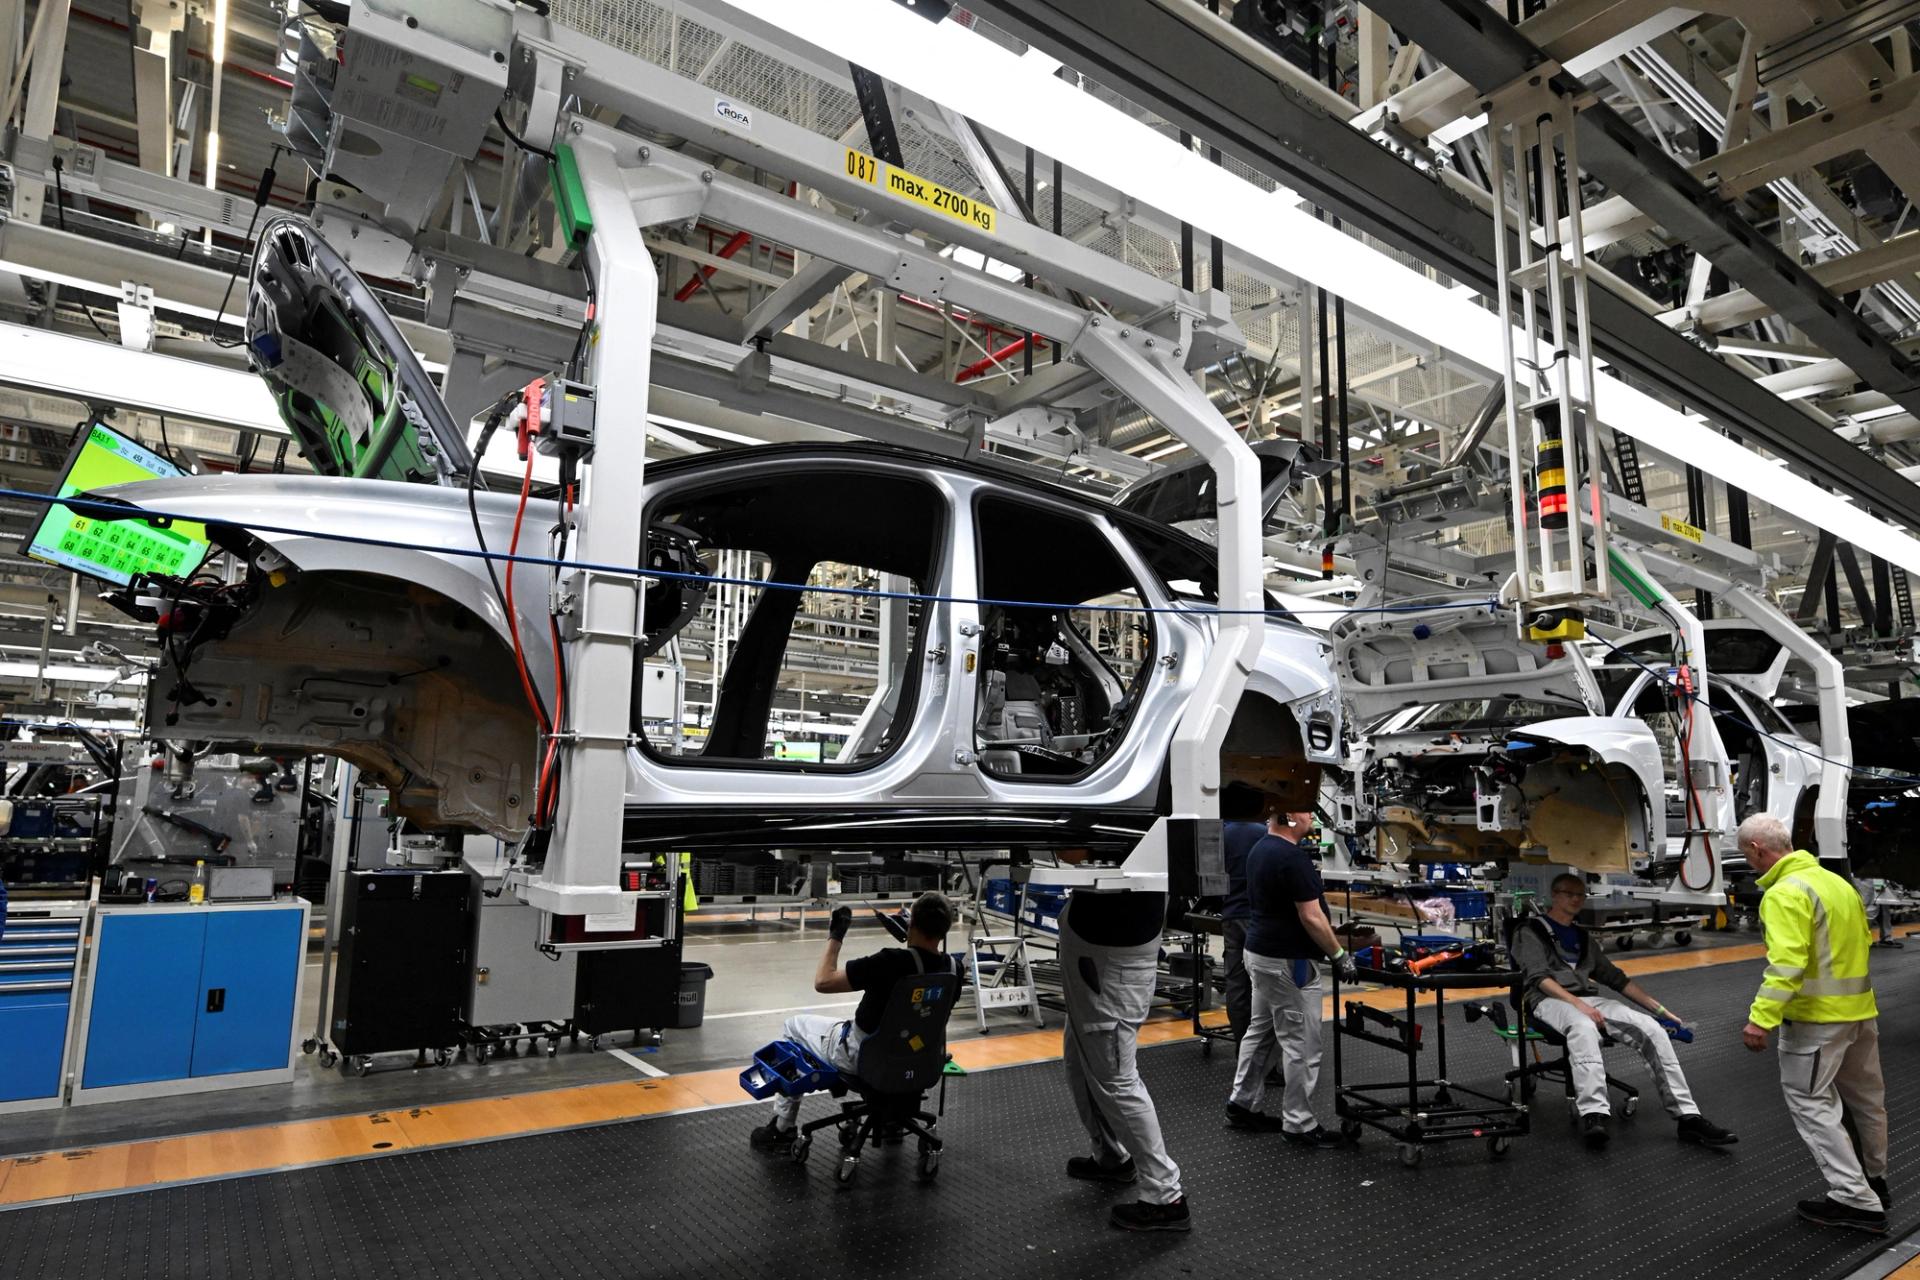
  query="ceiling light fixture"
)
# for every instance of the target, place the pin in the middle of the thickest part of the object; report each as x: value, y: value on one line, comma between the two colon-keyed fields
x: 949, y: 65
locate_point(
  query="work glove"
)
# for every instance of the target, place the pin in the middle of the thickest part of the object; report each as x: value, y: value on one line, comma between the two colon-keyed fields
x: 1344, y: 967
x: 841, y: 921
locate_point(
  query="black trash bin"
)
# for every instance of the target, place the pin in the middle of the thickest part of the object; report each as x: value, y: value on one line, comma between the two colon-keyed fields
x: 692, y: 1008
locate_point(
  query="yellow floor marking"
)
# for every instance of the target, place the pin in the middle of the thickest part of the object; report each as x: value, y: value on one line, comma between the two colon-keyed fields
x: 259, y: 1149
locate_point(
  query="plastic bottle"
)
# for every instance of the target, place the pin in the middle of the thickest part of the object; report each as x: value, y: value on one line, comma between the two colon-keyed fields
x: 197, y: 892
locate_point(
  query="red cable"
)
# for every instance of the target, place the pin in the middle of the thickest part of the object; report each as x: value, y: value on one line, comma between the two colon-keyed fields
x: 1694, y: 807
x: 560, y: 692
x: 513, y: 618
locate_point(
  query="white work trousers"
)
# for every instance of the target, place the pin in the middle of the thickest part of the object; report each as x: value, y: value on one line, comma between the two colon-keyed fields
x: 835, y: 1040
x: 1286, y: 1018
x: 1830, y: 1072
x: 1108, y: 992
x: 1629, y: 1025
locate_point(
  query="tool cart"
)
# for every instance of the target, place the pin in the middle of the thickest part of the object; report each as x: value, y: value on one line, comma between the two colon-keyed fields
x: 1418, y: 1108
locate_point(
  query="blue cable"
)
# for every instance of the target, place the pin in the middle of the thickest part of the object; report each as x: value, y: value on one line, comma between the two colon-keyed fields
x: 116, y: 511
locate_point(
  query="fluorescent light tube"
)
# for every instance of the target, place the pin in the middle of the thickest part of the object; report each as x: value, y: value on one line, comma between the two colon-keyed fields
x: 1021, y: 99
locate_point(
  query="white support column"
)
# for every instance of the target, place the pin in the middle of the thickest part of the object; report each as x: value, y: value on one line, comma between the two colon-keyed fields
x: 1375, y: 69
x: 43, y: 98
x: 1836, y: 744
x: 1161, y: 387
x: 583, y: 860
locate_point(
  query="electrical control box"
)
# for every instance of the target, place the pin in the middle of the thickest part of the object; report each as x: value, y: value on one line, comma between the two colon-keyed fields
x: 567, y: 426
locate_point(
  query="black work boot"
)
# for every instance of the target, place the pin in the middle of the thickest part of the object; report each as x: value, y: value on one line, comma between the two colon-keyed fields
x: 1829, y: 1212
x: 1596, y: 1129
x: 1141, y: 1216
x: 1087, y: 1169
x: 1697, y: 1128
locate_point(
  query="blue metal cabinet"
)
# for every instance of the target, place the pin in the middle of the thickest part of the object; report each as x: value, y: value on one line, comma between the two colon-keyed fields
x: 145, y: 998
x: 247, y: 977
x: 38, y: 956
x: 184, y: 997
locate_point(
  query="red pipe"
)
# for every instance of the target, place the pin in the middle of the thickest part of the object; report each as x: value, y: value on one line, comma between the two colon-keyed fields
x: 1013, y: 348
x: 704, y: 274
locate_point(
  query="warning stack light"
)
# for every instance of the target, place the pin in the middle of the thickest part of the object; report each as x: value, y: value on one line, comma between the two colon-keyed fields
x: 1551, y: 468
x: 1326, y: 561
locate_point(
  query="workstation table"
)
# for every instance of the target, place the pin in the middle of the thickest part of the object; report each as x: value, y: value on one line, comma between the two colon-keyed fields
x: 1416, y: 1110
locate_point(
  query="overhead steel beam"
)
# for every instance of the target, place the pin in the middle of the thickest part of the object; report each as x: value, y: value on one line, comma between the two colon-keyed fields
x: 1895, y: 257
x: 1849, y: 126
x: 1870, y: 21
x: 709, y: 382
x: 1170, y: 62
x: 1490, y: 54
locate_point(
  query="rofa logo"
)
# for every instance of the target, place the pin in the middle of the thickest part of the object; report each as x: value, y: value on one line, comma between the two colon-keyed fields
x: 732, y: 113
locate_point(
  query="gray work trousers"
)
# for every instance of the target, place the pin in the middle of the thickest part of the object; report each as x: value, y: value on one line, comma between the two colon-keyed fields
x: 1239, y: 984
x: 1830, y: 1073
x: 1286, y: 1019
x: 1108, y: 993
x: 1631, y: 1026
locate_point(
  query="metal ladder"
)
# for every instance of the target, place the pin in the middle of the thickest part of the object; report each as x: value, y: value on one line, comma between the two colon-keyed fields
x: 992, y: 988
x: 1903, y: 597
x: 1549, y: 360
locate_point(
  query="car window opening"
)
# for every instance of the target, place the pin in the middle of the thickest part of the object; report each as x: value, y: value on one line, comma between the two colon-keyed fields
x: 780, y: 678
x: 1057, y: 685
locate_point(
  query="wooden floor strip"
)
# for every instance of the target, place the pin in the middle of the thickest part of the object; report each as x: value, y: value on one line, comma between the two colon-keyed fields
x: 58, y: 1175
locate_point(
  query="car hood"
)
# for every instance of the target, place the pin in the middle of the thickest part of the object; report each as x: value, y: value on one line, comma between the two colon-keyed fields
x: 1389, y: 661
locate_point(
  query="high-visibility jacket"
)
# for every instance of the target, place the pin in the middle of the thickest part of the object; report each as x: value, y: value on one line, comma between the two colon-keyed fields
x: 1817, y: 947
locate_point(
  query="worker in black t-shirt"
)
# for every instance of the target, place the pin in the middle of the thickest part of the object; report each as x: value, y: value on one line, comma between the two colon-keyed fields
x: 837, y: 1040
x: 1290, y: 932
x: 1109, y: 959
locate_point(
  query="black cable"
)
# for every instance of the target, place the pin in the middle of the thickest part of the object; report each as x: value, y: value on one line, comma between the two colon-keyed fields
x: 473, y: 507
x: 519, y: 141
x: 166, y: 445
x: 60, y: 216
x: 260, y: 195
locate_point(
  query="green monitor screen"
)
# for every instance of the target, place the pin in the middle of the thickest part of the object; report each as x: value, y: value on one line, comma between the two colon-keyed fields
x: 114, y: 550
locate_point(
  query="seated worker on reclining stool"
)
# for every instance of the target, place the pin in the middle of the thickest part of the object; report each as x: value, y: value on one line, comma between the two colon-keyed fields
x: 837, y: 1040
x: 1565, y: 970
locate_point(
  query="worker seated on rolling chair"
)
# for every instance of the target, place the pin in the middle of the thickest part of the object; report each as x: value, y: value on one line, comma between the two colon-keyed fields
x: 837, y: 1040
x: 1565, y: 971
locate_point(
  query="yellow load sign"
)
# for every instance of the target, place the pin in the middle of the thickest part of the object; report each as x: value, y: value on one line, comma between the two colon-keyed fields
x: 1691, y: 533
x: 862, y: 167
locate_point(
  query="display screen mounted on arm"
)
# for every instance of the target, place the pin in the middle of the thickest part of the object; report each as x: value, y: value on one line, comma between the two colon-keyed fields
x: 114, y: 550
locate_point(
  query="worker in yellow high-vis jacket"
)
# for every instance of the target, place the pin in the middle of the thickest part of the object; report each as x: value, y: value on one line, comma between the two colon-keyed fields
x: 1817, y: 991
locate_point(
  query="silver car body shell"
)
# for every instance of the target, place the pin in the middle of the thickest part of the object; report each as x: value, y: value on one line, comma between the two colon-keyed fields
x: 1595, y: 805
x: 421, y: 538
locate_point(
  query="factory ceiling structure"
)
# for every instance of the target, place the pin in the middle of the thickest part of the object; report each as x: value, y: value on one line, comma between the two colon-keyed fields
x: 1745, y: 172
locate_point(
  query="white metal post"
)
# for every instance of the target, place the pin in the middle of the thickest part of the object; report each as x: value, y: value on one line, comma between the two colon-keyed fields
x: 583, y: 861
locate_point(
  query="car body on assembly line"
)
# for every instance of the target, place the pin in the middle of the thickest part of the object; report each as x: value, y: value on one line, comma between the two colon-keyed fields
x: 1001, y: 662
x: 1477, y: 746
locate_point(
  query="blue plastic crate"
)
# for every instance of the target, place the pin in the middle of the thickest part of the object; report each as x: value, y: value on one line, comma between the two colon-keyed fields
x: 1431, y: 941
x: 1468, y: 904
x: 1000, y: 896
x: 789, y: 1069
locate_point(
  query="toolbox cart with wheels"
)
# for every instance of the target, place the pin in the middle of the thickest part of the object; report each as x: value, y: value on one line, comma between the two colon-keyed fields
x: 1419, y: 1109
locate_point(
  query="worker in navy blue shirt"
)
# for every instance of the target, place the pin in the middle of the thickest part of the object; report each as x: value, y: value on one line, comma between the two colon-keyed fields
x: 1243, y: 810
x: 1290, y: 931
